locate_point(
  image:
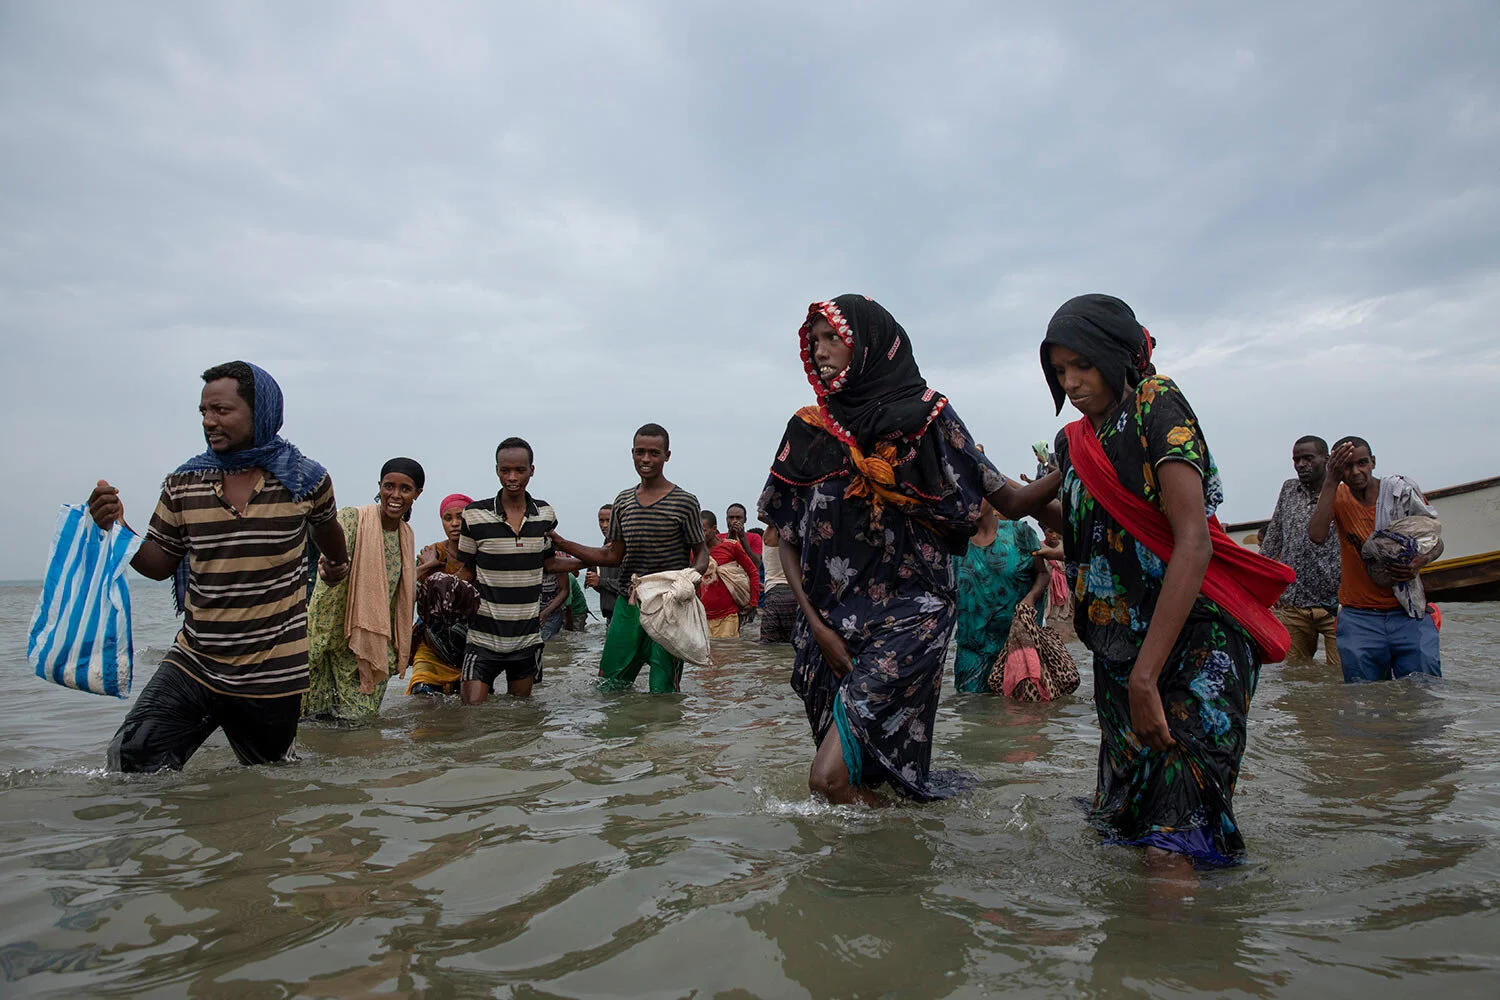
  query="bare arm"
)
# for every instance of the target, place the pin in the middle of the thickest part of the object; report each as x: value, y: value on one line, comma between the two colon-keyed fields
x: 154, y: 562
x: 1322, y: 515
x: 1050, y: 516
x: 746, y: 560
x: 1321, y: 521
x: 1043, y: 578
x: 755, y: 557
x: 564, y: 591
x: 151, y: 560
x: 700, y: 558
x: 835, y: 650
x: 1192, y: 548
x: 1036, y: 500
x: 333, y: 550
x: 610, y: 554
x: 429, y: 561
x: 563, y: 564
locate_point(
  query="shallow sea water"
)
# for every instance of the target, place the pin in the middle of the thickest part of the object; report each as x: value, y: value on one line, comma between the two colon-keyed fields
x: 591, y: 845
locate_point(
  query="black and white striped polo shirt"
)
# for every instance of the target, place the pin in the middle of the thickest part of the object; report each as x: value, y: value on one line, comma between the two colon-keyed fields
x: 507, y: 561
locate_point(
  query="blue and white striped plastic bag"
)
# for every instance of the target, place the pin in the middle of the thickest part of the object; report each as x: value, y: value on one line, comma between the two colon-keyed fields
x: 80, y: 633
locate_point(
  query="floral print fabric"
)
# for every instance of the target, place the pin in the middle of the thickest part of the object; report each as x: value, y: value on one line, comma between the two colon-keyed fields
x: 1179, y: 800
x: 333, y: 672
x: 1114, y: 579
x: 883, y: 579
x: 991, y: 580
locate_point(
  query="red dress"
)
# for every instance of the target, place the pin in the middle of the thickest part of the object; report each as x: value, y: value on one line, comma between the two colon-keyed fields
x: 716, y: 597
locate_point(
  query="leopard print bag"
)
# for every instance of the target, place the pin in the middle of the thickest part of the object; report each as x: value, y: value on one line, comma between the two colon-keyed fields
x: 1059, y: 672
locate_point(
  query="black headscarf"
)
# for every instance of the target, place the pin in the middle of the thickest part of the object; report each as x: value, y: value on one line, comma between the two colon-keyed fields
x: 1104, y: 330
x: 882, y: 392
x: 408, y: 467
x: 881, y: 396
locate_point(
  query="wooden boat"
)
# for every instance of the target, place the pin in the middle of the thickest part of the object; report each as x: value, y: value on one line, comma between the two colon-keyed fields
x: 1470, y: 567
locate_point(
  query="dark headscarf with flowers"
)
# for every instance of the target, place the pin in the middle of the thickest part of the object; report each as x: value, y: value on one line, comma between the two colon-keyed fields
x: 879, y: 408
x: 444, y: 600
x: 1103, y: 329
x: 445, y: 603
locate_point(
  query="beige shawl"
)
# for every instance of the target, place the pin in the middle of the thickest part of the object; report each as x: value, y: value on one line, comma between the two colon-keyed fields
x: 733, y: 576
x: 370, y: 618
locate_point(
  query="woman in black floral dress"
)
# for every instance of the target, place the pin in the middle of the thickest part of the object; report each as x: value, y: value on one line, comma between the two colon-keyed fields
x: 873, y: 489
x: 1173, y: 671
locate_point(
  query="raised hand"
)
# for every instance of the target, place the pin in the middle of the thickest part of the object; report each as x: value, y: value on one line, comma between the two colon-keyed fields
x: 1341, y: 460
x: 1051, y: 552
x: 105, y: 505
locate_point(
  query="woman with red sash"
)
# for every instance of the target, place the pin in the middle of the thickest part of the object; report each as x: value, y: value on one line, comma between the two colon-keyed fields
x: 1176, y: 615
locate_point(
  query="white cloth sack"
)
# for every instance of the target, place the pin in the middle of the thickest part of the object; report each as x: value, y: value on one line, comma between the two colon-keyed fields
x: 734, y: 578
x: 672, y: 614
x: 80, y: 632
x: 1399, y: 500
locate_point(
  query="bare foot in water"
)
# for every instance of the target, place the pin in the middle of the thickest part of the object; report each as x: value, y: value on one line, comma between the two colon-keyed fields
x: 1172, y: 879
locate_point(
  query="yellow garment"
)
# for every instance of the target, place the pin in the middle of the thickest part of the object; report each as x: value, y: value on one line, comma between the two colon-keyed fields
x: 373, y: 621
x: 426, y: 668
x: 727, y: 627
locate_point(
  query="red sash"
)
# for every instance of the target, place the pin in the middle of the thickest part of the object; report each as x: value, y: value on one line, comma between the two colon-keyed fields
x: 1244, y: 583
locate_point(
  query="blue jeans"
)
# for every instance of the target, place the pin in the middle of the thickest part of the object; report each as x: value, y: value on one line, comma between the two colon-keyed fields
x: 1380, y: 645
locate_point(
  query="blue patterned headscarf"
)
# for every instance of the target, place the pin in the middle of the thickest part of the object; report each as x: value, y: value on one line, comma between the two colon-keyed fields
x: 269, y: 451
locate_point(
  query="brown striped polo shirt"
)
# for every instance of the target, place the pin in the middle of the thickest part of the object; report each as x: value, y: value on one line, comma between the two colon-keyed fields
x: 244, y: 631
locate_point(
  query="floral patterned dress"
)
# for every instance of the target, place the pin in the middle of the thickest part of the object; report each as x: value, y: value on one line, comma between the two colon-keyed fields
x: 1179, y: 800
x: 883, y: 579
x: 333, y: 671
x: 992, y: 579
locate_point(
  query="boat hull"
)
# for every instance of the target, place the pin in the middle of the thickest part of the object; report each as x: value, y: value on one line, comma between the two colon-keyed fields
x: 1470, y: 567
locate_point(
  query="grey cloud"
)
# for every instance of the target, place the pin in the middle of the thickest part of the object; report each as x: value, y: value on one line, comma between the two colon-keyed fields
x: 442, y: 224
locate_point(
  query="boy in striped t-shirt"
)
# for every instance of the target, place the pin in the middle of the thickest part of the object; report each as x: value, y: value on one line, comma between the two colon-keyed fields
x: 653, y: 527
x: 505, y: 549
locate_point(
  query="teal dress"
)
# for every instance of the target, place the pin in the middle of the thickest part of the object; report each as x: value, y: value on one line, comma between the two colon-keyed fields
x: 992, y: 579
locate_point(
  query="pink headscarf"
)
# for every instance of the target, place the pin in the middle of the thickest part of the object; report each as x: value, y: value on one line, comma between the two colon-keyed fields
x: 453, y: 500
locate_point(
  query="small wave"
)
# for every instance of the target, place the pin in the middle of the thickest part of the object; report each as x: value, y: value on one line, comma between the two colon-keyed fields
x: 811, y: 808
x: 27, y: 777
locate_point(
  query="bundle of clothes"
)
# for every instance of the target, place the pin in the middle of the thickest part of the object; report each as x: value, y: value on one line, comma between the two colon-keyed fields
x: 1035, y: 664
x: 1406, y: 527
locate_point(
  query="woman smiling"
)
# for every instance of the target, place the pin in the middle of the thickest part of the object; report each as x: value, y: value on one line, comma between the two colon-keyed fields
x: 359, y: 630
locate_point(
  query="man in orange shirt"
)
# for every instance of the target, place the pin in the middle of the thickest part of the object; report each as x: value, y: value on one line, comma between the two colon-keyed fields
x: 1378, y: 639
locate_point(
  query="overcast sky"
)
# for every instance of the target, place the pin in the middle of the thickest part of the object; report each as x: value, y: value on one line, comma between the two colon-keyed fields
x: 441, y: 225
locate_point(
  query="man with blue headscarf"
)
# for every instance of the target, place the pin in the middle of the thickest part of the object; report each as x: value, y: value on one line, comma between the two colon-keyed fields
x: 230, y: 531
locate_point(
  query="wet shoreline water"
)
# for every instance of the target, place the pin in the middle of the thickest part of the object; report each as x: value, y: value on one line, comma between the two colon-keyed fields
x: 586, y: 844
